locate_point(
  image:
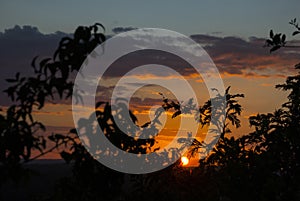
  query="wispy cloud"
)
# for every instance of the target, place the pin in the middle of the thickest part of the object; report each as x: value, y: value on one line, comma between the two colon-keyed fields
x: 118, y: 30
x: 237, y: 56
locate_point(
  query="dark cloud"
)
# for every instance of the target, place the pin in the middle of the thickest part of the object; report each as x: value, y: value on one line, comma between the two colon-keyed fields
x: 216, y: 32
x: 205, y: 39
x: 232, y: 55
x: 238, y: 56
x: 118, y: 30
x: 152, y: 57
x: 137, y: 102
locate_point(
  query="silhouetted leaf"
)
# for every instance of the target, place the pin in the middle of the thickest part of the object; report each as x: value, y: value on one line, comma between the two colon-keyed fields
x: 51, y: 137
x: 98, y: 104
x: 33, y: 61
x: 101, y: 25
x: 277, y: 39
x: 275, y: 48
x: 271, y: 34
x: 11, y: 80
x: 156, y: 149
x: 73, y: 130
x: 283, y: 38
x: 269, y: 42
x: 44, y: 61
x: 41, y: 100
x: 44, y: 143
x: 146, y: 124
x: 295, y: 33
x: 176, y: 114
x: 66, y: 156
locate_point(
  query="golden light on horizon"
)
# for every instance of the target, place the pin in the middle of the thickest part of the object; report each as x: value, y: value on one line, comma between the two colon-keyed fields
x: 184, y: 160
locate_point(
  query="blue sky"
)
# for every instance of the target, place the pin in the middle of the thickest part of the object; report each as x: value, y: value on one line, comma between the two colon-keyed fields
x: 231, y: 17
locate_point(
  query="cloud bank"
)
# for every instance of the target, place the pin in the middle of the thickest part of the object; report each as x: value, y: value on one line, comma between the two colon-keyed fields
x: 233, y: 56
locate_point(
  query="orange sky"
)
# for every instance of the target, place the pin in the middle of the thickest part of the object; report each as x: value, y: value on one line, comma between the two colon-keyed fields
x: 243, y: 64
x: 260, y: 97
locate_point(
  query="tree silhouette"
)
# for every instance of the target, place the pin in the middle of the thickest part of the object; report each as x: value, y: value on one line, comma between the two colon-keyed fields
x: 206, y: 113
x: 261, y: 165
x: 51, y: 79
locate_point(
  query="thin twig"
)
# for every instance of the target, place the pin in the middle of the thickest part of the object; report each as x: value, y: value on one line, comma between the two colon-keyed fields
x: 290, y: 46
x: 43, y: 153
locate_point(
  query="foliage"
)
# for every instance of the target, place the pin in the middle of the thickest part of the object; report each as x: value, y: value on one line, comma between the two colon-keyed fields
x: 261, y: 165
x: 20, y: 132
x: 278, y: 40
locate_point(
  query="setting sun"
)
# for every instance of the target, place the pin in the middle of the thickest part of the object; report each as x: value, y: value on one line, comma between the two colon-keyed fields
x: 184, y: 161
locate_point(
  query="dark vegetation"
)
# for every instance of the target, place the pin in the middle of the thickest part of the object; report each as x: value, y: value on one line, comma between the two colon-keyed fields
x: 262, y: 165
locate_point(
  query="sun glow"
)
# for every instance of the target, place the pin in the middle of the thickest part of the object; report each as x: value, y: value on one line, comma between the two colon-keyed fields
x: 184, y: 161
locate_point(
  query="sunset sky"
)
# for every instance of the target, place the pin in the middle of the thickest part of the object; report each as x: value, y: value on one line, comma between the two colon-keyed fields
x: 233, y: 33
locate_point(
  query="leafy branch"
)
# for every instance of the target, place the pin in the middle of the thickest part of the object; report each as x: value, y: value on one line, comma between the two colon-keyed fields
x: 278, y: 40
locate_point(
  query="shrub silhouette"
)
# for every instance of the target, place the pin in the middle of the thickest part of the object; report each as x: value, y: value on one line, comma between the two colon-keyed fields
x: 261, y: 165
x: 50, y: 80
